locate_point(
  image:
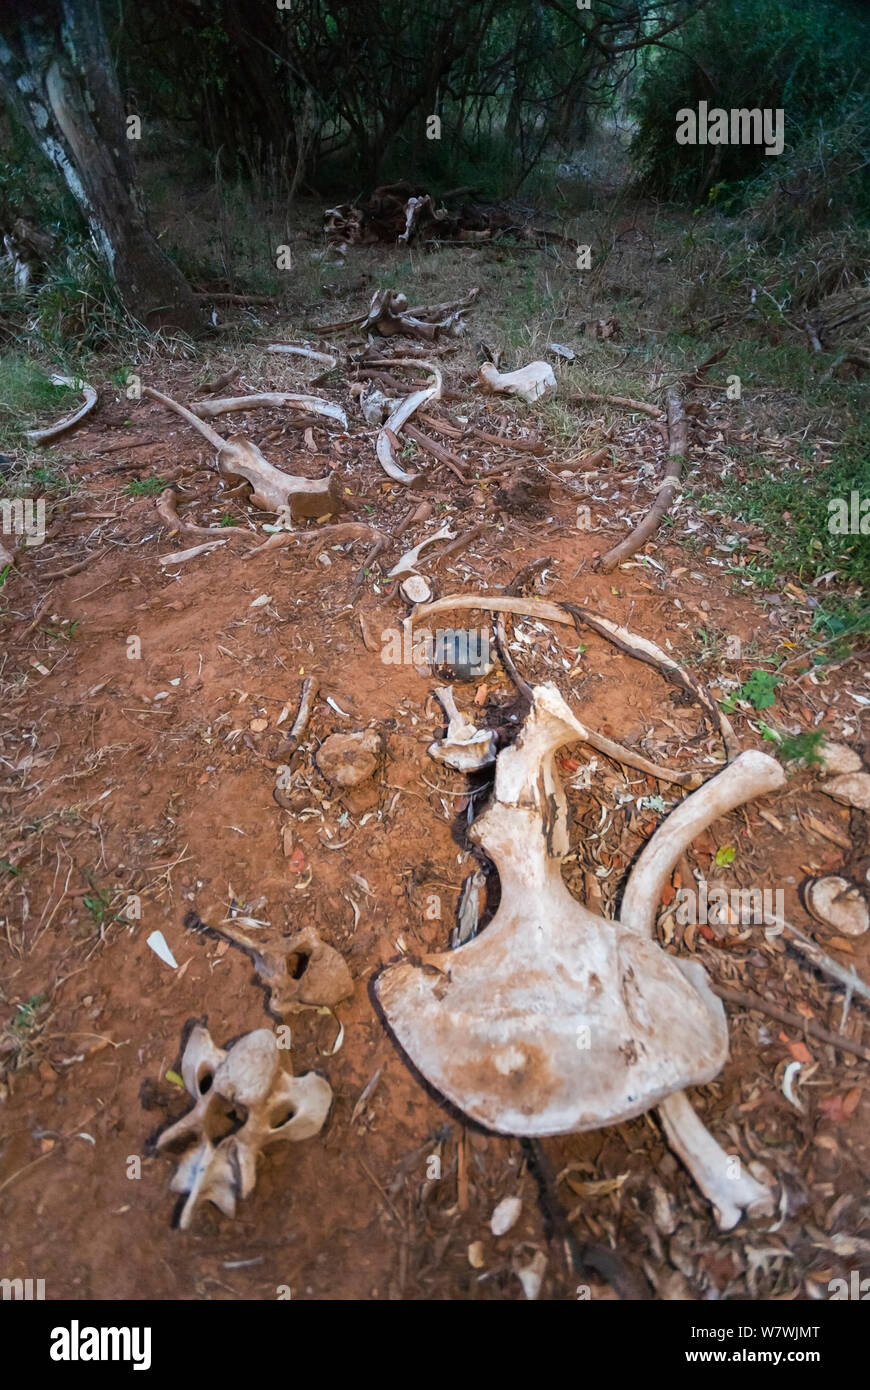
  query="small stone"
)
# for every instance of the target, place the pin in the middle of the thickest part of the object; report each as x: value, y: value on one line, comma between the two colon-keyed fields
x: 505, y: 1215
x: 839, y: 758
x: 475, y: 1254
x: 348, y: 759
x: 851, y: 789
x: 837, y: 903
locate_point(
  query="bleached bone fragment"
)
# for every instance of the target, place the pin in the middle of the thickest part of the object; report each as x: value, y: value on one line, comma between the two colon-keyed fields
x: 506, y: 1214
x: 273, y: 400
x: 416, y: 589
x: 464, y: 747
x: 411, y: 558
x: 401, y: 415
x: 180, y: 557
x: 300, y: 350
x: 838, y: 904
x: 529, y: 383
x: 720, y: 1176
x: 247, y: 1082
x: 52, y: 431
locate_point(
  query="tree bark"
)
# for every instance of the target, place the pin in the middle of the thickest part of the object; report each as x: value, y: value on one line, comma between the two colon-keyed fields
x: 57, y: 77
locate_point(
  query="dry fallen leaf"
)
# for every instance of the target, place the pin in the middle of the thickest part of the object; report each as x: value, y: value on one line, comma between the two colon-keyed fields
x: 840, y: 1108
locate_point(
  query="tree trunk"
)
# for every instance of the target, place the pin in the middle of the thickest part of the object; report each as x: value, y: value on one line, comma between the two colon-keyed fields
x: 57, y: 76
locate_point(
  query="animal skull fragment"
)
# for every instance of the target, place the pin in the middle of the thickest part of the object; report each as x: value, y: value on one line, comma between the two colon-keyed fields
x: 245, y: 1085
x: 555, y: 1020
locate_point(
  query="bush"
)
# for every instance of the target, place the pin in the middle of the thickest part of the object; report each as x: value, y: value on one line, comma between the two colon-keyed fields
x: 803, y: 58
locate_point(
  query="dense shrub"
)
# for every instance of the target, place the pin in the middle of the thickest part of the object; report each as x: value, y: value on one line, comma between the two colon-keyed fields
x: 806, y: 58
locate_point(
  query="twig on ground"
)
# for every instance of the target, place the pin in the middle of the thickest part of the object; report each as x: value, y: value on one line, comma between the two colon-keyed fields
x: 666, y: 491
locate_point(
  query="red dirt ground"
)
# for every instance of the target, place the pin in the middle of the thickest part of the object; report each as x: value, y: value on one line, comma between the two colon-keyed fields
x: 110, y: 790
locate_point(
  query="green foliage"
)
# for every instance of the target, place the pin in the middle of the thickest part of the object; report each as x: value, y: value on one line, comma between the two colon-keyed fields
x: 768, y: 54
x: 758, y: 690
x: 25, y: 1017
x: 792, y: 505
x: 27, y: 397
x: 145, y: 487
x: 801, y: 748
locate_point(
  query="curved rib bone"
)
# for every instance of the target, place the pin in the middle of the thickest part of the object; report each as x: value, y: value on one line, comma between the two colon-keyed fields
x: 313, y: 404
x: 720, y: 1176
x: 403, y: 412
x: 52, y: 431
x: 750, y: 775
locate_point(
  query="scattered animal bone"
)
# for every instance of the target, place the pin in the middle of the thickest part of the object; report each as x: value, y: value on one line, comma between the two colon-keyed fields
x: 348, y: 759
x: 641, y: 648
x: 531, y: 1276
x: 52, y: 431
x: 271, y: 489
x: 529, y: 383
x: 389, y: 314
x: 375, y: 405
x: 303, y: 714
x: 464, y: 747
x: 416, y: 589
x: 850, y: 789
x: 414, y: 208
x: 299, y: 350
x: 729, y: 1193
x: 180, y: 557
x: 321, y: 537
x: 472, y: 900
x: 246, y: 1078
x: 505, y: 1215
x: 837, y: 903
x: 555, y: 1020
x: 272, y: 399
x: 403, y: 412
x: 409, y: 561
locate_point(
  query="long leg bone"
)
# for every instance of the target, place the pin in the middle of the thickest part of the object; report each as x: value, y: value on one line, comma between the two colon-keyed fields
x: 720, y: 1176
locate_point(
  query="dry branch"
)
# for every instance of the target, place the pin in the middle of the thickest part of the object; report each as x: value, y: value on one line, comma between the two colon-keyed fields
x: 652, y: 410
x: 322, y: 535
x: 167, y: 510
x: 743, y: 1000
x: 666, y: 492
